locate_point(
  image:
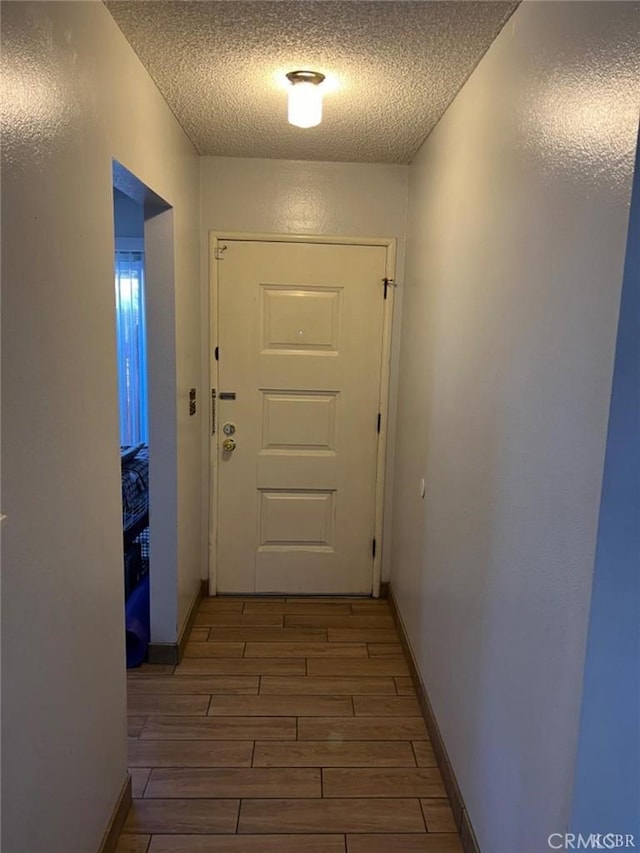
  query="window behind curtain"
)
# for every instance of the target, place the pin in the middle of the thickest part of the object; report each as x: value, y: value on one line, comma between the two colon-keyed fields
x: 132, y: 348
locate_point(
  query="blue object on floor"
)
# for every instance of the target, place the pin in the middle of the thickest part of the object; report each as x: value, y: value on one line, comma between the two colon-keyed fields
x: 137, y: 620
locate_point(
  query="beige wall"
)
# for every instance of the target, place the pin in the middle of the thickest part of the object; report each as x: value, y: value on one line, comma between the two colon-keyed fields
x: 75, y: 97
x: 301, y: 197
x: 518, y: 211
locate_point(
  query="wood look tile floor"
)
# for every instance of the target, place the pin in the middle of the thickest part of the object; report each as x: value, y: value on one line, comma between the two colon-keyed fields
x: 291, y: 726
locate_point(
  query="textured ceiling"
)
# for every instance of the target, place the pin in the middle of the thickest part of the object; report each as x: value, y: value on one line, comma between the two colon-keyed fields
x: 392, y: 68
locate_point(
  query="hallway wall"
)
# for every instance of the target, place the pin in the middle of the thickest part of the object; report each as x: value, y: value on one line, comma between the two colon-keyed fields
x: 302, y: 197
x: 75, y: 96
x: 518, y: 213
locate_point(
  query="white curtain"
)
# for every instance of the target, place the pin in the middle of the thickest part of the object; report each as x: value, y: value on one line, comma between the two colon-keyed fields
x: 132, y: 349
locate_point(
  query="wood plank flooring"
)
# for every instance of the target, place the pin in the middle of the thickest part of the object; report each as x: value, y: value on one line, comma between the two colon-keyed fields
x: 291, y: 726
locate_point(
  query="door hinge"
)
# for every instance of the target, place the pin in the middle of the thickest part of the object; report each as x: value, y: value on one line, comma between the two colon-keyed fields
x: 388, y: 282
x: 219, y: 252
x: 216, y: 353
x: 373, y: 549
x: 213, y: 411
x: 379, y: 421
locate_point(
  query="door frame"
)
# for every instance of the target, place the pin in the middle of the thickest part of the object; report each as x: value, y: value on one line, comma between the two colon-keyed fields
x: 216, y: 243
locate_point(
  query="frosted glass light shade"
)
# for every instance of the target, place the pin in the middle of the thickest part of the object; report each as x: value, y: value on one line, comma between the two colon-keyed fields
x: 305, y: 98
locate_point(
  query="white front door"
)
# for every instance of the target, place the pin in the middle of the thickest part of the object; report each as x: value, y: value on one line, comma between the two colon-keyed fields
x: 300, y: 334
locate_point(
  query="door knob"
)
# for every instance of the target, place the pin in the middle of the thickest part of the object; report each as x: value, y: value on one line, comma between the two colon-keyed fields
x: 229, y: 445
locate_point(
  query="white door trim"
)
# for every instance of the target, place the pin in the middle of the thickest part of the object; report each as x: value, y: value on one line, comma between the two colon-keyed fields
x: 216, y: 241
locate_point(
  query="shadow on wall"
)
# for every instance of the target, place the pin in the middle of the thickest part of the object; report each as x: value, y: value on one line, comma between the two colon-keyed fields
x: 607, y: 789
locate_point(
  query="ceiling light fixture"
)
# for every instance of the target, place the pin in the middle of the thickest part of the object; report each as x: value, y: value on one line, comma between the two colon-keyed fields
x: 305, y: 98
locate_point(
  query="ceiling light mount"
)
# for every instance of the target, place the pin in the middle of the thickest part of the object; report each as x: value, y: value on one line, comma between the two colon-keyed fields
x: 305, y: 98
x: 305, y: 77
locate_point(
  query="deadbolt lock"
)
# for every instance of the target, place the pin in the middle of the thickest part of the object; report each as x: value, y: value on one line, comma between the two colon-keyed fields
x: 228, y: 445
x: 229, y: 429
